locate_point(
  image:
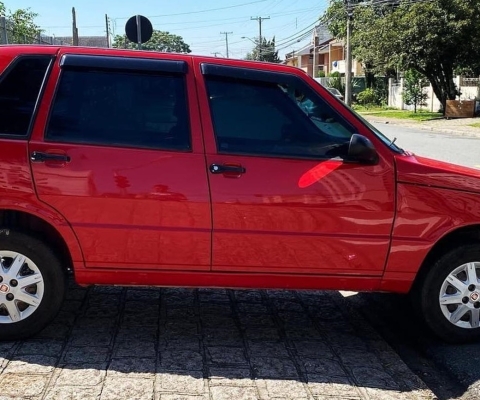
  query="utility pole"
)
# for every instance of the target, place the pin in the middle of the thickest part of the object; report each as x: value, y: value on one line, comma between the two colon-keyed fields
x: 314, y: 66
x: 260, y: 43
x: 74, y: 28
x: 107, y: 25
x: 226, y: 40
x: 348, y: 67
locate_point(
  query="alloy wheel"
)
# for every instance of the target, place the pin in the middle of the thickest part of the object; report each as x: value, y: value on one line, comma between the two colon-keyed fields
x: 460, y: 296
x: 21, y: 287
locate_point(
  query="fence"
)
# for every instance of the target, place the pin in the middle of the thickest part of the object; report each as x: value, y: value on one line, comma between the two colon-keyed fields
x: 8, y: 35
x: 468, y: 87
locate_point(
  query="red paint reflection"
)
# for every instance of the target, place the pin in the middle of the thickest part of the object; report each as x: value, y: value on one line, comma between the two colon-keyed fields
x: 317, y: 173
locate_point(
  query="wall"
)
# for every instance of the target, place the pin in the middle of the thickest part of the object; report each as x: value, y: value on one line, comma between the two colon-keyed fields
x: 395, y: 97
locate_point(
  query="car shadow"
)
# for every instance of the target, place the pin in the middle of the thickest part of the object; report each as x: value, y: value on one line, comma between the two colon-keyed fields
x: 277, y: 341
x: 448, y: 369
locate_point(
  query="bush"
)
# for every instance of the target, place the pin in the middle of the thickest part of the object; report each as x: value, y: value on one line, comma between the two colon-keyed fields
x: 320, y: 74
x: 335, y: 81
x: 367, y: 97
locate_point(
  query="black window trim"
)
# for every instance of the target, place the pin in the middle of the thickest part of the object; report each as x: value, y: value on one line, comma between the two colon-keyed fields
x: 247, y: 74
x: 36, y: 107
x: 116, y: 145
x: 123, y: 63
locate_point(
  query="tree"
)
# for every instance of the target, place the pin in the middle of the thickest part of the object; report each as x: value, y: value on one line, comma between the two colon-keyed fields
x: 434, y: 37
x: 264, y: 51
x: 21, y: 25
x: 414, y: 89
x: 160, y: 41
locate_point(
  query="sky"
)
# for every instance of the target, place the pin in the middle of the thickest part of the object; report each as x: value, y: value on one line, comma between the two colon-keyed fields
x: 198, y: 22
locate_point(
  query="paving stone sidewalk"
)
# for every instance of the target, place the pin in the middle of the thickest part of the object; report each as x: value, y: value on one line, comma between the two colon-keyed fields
x: 181, y: 344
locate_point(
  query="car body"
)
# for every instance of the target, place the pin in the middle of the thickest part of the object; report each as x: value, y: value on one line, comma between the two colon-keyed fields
x: 144, y: 168
x: 336, y: 93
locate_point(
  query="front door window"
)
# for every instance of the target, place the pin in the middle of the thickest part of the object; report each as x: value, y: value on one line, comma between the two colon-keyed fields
x: 270, y: 119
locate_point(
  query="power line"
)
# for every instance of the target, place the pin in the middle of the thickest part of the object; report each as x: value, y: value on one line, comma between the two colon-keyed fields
x: 201, y: 11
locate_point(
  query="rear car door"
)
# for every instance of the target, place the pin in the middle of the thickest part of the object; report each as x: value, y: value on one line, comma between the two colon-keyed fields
x: 119, y: 153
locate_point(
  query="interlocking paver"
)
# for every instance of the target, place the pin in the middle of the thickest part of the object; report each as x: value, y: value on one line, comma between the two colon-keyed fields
x: 23, y: 384
x: 233, y: 392
x: 183, y: 384
x: 127, y: 388
x: 184, y: 344
x: 73, y: 392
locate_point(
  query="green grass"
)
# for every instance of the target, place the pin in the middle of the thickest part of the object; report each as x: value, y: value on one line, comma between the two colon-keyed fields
x: 402, y: 114
x: 475, y: 125
x: 371, y: 108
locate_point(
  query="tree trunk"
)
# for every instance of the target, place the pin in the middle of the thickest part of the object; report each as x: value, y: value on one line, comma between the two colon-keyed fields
x: 441, y: 78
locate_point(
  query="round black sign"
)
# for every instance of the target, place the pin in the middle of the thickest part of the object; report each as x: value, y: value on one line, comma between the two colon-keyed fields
x: 146, y: 29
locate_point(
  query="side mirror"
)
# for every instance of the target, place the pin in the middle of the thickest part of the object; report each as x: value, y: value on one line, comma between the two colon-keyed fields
x: 361, y: 150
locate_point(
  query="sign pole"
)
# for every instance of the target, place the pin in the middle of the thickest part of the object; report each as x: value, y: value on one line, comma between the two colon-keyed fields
x: 139, y: 32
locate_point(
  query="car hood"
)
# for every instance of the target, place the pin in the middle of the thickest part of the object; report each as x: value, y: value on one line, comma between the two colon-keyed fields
x: 425, y: 171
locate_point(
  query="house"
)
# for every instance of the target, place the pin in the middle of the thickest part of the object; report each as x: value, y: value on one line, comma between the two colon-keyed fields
x: 86, y: 41
x: 329, y: 55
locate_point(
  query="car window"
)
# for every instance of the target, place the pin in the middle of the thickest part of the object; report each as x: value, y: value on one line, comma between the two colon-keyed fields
x: 264, y: 118
x: 119, y: 108
x: 20, y: 87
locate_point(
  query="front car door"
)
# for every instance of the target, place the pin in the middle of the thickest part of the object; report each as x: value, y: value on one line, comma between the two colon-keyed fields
x: 284, y: 199
x: 119, y: 153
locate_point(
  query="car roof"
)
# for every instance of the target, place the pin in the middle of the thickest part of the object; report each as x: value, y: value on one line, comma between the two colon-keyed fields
x: 14, y: 48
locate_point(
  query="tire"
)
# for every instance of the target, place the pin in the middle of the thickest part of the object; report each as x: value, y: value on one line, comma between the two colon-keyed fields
x: 43, y: 287
x: 441, y: 302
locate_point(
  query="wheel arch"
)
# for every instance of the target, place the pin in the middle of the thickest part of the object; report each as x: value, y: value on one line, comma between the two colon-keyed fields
x: 48, y: 227
x: 464, y: 235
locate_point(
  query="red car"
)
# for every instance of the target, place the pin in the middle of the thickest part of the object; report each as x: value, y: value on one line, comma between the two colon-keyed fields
x: 143, y: 168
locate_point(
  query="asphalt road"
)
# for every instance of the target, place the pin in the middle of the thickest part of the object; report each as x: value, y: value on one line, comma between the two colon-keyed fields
x: 455, y: 149
x: 451, y: 371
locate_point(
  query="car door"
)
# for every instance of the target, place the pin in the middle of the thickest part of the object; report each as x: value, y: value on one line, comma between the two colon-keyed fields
x: 284, y: 199
x: 119, y: 153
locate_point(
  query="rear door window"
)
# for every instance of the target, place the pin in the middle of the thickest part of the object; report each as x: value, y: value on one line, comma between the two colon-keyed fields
x: 121, y: 108
x: 20, y: 87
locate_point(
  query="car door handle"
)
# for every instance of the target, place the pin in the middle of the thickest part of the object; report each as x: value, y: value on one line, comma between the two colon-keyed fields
x: 38, y: 156
x: 225, y: 169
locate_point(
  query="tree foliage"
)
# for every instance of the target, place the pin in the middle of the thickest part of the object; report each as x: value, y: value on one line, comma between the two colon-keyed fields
x: 434, y: 37
x: 160, y: 41
x: 264, y: 51
x: 414, y: 89
x: 20, y: 24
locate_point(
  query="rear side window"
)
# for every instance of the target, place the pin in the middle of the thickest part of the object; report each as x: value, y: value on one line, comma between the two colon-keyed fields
x: 20, y: 87
x: 121, y: 108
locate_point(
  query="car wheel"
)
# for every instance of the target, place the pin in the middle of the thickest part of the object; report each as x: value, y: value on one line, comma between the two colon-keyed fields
x: 32, y: 285
x: 449, y: 297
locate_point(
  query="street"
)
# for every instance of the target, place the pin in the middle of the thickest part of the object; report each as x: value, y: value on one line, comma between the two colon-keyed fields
x: 180, y: 344
x: 455, y: 149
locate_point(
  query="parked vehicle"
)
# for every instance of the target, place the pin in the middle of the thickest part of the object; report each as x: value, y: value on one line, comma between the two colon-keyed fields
x: 336, y: 93
x: 142, y: 168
